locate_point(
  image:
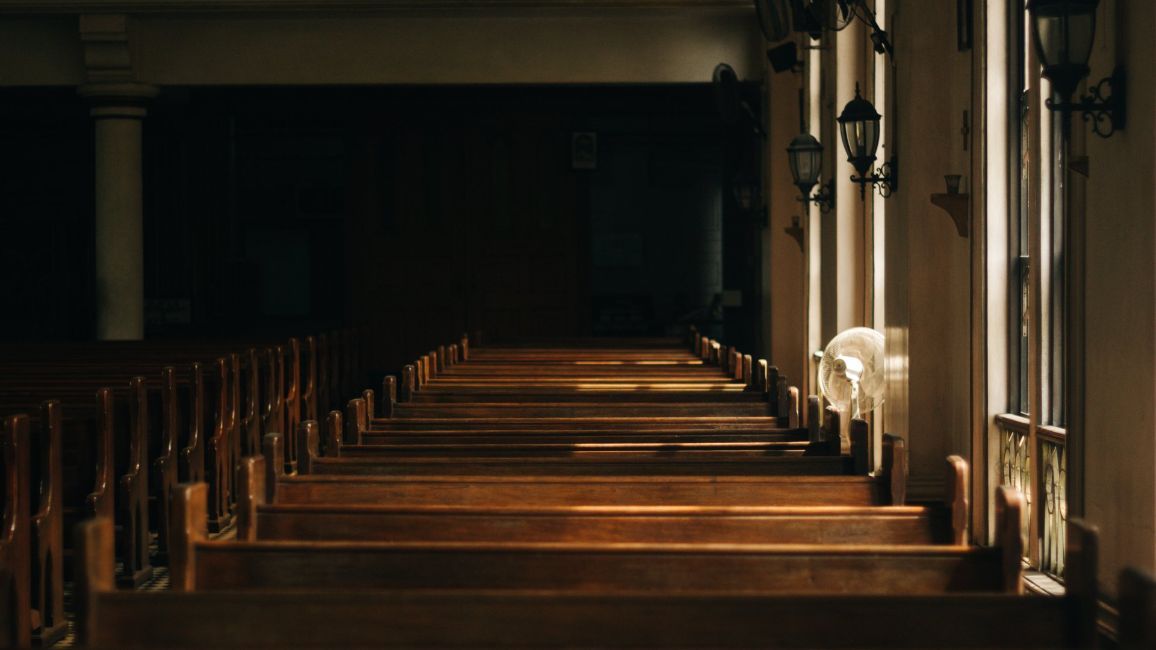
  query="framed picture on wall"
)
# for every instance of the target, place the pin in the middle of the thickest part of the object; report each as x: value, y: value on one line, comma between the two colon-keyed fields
x: 584, y: 150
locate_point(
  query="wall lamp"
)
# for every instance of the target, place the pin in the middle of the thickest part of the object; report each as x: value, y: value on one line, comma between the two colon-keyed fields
x: 1063, y: 31
x: 805, y: 155
x: 859, y: 128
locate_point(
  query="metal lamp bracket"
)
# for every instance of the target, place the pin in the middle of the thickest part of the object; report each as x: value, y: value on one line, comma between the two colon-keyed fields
x: 1105, y: 105
x: 824, y: 198
x: 886, y: 179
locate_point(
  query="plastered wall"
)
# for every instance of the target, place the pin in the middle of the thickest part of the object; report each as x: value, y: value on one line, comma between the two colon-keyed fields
x: 784, y: 265
x: 1120, y: 457
x: 623, y: 44
x: 928, y: 273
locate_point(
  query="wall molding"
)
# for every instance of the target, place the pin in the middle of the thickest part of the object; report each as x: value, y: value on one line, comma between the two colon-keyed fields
x: 104, y: 38
x: 330, y: 6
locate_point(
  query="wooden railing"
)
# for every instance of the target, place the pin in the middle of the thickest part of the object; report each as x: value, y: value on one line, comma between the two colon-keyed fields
x: 1053, y: 516
x: 1037, y: 466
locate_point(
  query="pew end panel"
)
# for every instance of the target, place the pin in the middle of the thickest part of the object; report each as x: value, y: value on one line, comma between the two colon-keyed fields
x: 760, y: 378
x: 408, y: 383
x: 860, y: 434
x: 783, y: 399
x: 370, y: 399
x: 292, y: 392
x: 771, y: 389
x: 957, y: 498
x: 94, y: 547
x: 250, y: 496
x: 193, y: 453
x: 388, y: 396
x: 894, y: 468
x: 334, y: 434
x: 101, y: 501
x: 1081, y: 575
x: 357, y: 414
x: 164, y: 472
x: 15, y: 537
x: 814, y: 419
x: 190, y: 525
x: 307, y: 445
x: 832, y: 433
x: 133, y: 501
x: 1137, y: 610
x: 271, y: 449
x: 1009, y: 513
x: 47, y: 531
x: 793, y: 421
x: 219, y: 463
x: 309, y: 393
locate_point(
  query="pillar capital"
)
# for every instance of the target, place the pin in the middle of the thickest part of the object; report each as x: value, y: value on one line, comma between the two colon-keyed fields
x: 118, y: 100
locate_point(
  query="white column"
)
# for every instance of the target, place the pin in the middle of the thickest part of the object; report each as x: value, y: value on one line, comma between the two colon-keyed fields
x: 117, y: 111
x: 847, y: 267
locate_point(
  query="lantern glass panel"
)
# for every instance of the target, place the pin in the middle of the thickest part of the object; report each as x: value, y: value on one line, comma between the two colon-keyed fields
x: 810, y: 162
x: 1081, y: 32
x: 860, y: 139
x: 1065, y: 39
x: 805, y: 157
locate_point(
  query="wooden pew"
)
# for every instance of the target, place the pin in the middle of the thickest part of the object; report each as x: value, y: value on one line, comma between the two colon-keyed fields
x: 458, y: 488
x: 587, y: 566
x: 718, y: 459
x: 145, y: 436
x: 597, y: 374
x: 487, y: 618
x: 559, y: 432
x: 934, y: 524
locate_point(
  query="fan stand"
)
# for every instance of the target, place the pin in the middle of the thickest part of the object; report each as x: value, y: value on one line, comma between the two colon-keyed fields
x: 851, y: 369
x: 854, y: 399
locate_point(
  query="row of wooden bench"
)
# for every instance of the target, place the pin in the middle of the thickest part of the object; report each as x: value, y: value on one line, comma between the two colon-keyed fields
x: 524, y: 506
x: 560, y: 520
x: 113, y: 427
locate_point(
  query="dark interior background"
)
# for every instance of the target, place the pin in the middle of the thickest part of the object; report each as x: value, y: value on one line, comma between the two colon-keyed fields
x: 419, y: 213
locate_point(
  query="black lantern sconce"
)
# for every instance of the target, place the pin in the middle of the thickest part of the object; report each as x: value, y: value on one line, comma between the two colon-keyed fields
x: 859, y: 128
x: 805, y: 155
x: 1063, y: 31
x: 747, y: 193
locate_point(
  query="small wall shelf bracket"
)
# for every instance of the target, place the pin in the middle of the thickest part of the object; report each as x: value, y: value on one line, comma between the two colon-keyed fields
x: 956, y: 206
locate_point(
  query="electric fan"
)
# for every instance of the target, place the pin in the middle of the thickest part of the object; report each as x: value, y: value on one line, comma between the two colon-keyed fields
x: 851, y: 371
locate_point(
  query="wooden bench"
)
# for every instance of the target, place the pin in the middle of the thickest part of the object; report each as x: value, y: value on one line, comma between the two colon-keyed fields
x: 930, y: 524
x: 549, y: 459
x: 583, y: 566
x: 104, y: 444
x: 456, y: 488
x: 514, y: 617
x: 548, y: 375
